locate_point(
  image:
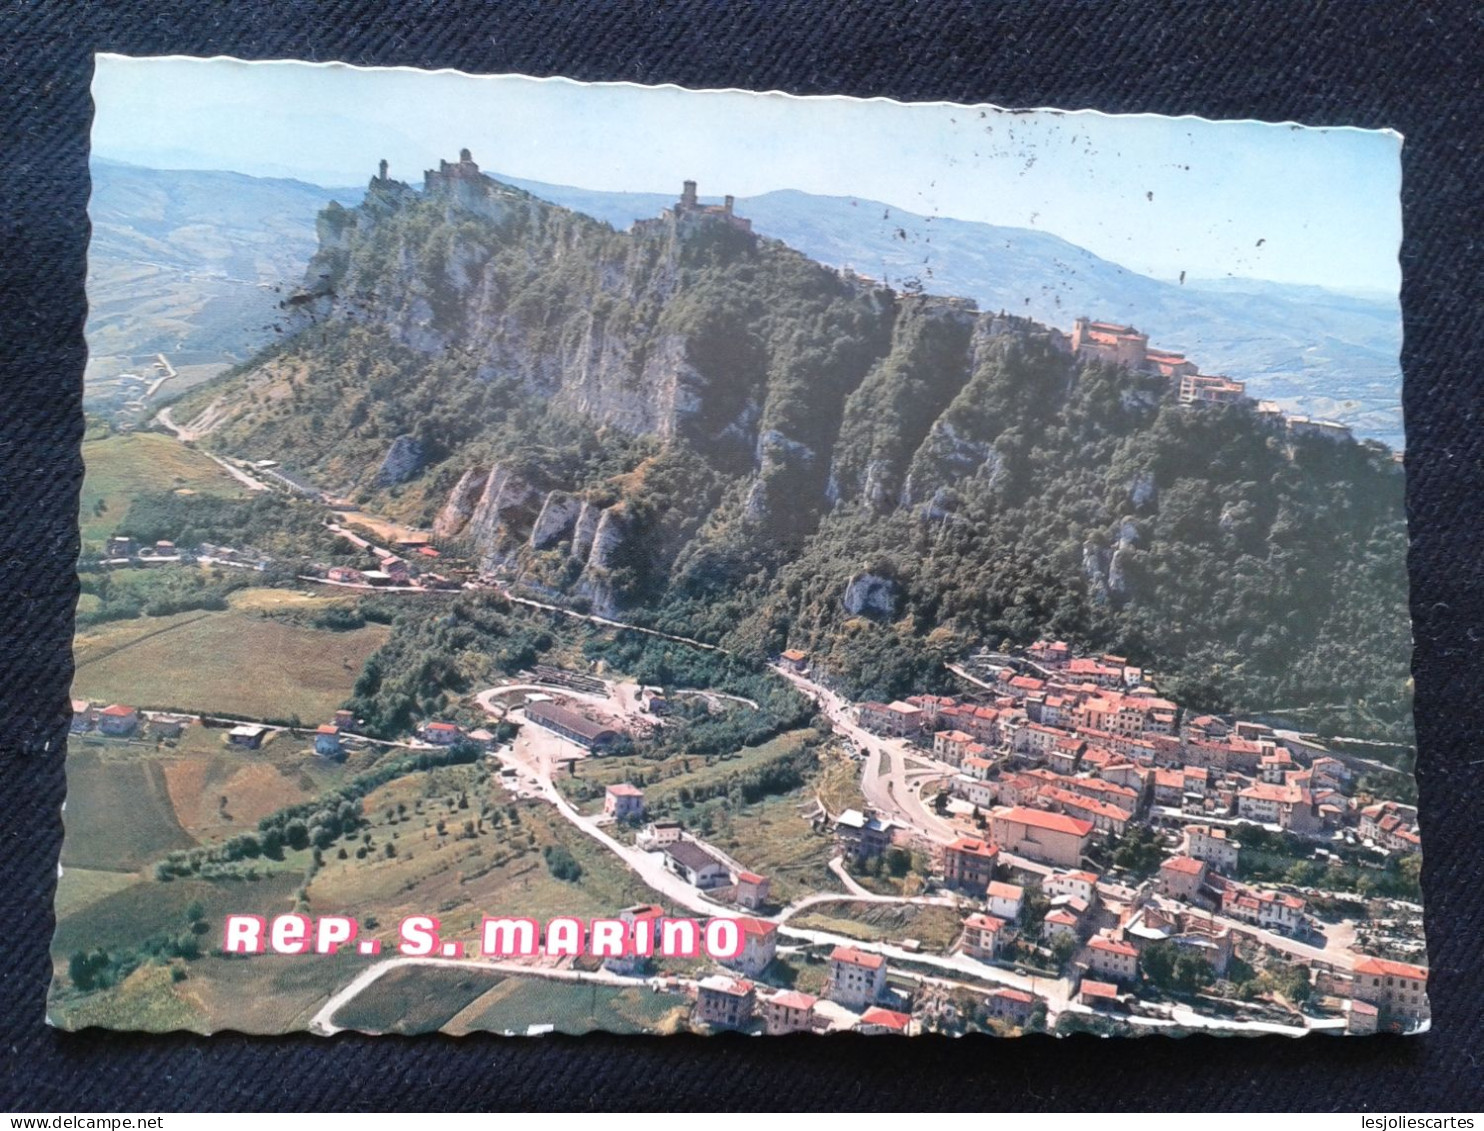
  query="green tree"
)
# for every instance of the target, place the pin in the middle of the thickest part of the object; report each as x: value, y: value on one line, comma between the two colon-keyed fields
x: 1158, y: 961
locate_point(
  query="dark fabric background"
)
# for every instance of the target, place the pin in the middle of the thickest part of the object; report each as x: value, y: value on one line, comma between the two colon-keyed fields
x: 1415, y: 67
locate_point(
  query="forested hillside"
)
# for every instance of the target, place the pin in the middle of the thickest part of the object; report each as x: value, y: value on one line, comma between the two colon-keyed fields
x: 703, y: 429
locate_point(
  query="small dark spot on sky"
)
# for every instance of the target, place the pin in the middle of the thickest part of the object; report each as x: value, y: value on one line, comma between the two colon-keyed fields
x: 1262, y: 241
x: 1149, y: 195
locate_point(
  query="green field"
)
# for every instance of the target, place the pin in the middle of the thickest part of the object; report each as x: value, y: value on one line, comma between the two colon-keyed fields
x: 421, y: 999
x: 774, y: 839
x: 415, y: 999
x: 666, y: 778
x: 119, y: 816
x: 262, y: 994
x: 79, y: 887
x: 517, y: 1003
x: 147, y: 1000
x: 937, y: 928
x: 120, y: 468
x: 233, y: 662
x: 499, y: 871
x: 129, y: 917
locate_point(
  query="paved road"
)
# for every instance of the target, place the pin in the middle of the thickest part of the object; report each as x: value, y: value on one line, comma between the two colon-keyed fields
x: 167, y: 373
x: 885, y: 781
x: 649, y: 866
x: 1335, y: 950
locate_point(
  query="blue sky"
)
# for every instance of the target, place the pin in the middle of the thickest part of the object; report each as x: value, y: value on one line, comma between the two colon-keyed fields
x: 1160, y: 195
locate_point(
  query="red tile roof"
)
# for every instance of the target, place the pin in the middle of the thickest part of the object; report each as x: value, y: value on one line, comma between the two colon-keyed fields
x: 850, y: 955
x: 1098, y: 989
x: 973, y: 846
x: 1050, y: 822
x: 1112, y: 947
x: 1183, y: 864
x: 1387, y: 968
x: 983, y: 922
x: 1282, y: 794
x: 793, y: 999
x: 117, y: 711
x: 886, y: 1018
x: 760, y: 927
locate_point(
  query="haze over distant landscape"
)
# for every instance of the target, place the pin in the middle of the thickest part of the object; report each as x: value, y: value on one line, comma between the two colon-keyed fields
x: 1162, y: 196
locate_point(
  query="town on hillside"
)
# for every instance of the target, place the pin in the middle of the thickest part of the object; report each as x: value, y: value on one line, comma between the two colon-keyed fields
x: 1110, y: 861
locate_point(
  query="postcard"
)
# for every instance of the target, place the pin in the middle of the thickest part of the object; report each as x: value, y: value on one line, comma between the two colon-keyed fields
x: 562, y: 557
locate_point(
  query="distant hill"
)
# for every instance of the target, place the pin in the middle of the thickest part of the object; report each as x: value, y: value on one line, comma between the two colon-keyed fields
x: 1312, y: 350
x: 187, y: 262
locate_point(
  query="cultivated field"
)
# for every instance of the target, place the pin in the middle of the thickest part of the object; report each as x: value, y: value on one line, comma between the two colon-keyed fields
x: 774, y: 838
x: 78, y: 888
x: 119, y: 816
x: 145, y: 910
x: 234, y: 662
x: 415, y: 999
x: 664, y: 780
x: 517, y: 1003
x: 500, y: 869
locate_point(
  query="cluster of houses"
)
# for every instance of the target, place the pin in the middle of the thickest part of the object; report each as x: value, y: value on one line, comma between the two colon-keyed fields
x: 118, y: 720
x: 123, y: 550
x: 391, y: 572
x: 733, y: 1000
x: 856, y: 994
x: 703, y: 867
x: 1063, y: 749
x: 1090, y: 739
x: 1123, y: 345
x: 1126, y: 346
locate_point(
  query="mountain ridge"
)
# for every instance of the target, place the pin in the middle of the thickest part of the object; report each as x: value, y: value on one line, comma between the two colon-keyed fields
x: 1292, y: 344
x: 1271, y: 335
x: 703, y: 428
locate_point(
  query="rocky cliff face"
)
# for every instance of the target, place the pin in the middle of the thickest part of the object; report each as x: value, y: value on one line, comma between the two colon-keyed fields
x: 504, y: 514
x: 807, y: 389
x: 402, y: 461
x: 528, y: 290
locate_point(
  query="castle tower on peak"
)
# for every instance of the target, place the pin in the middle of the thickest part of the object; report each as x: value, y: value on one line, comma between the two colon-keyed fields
x: 465, y: 158
x: 382, y: 175
x: 689, y: 210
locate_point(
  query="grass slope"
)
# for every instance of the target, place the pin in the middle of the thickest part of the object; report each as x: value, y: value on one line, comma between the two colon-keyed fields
x: 231, y: 662
x: 119, y: 468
